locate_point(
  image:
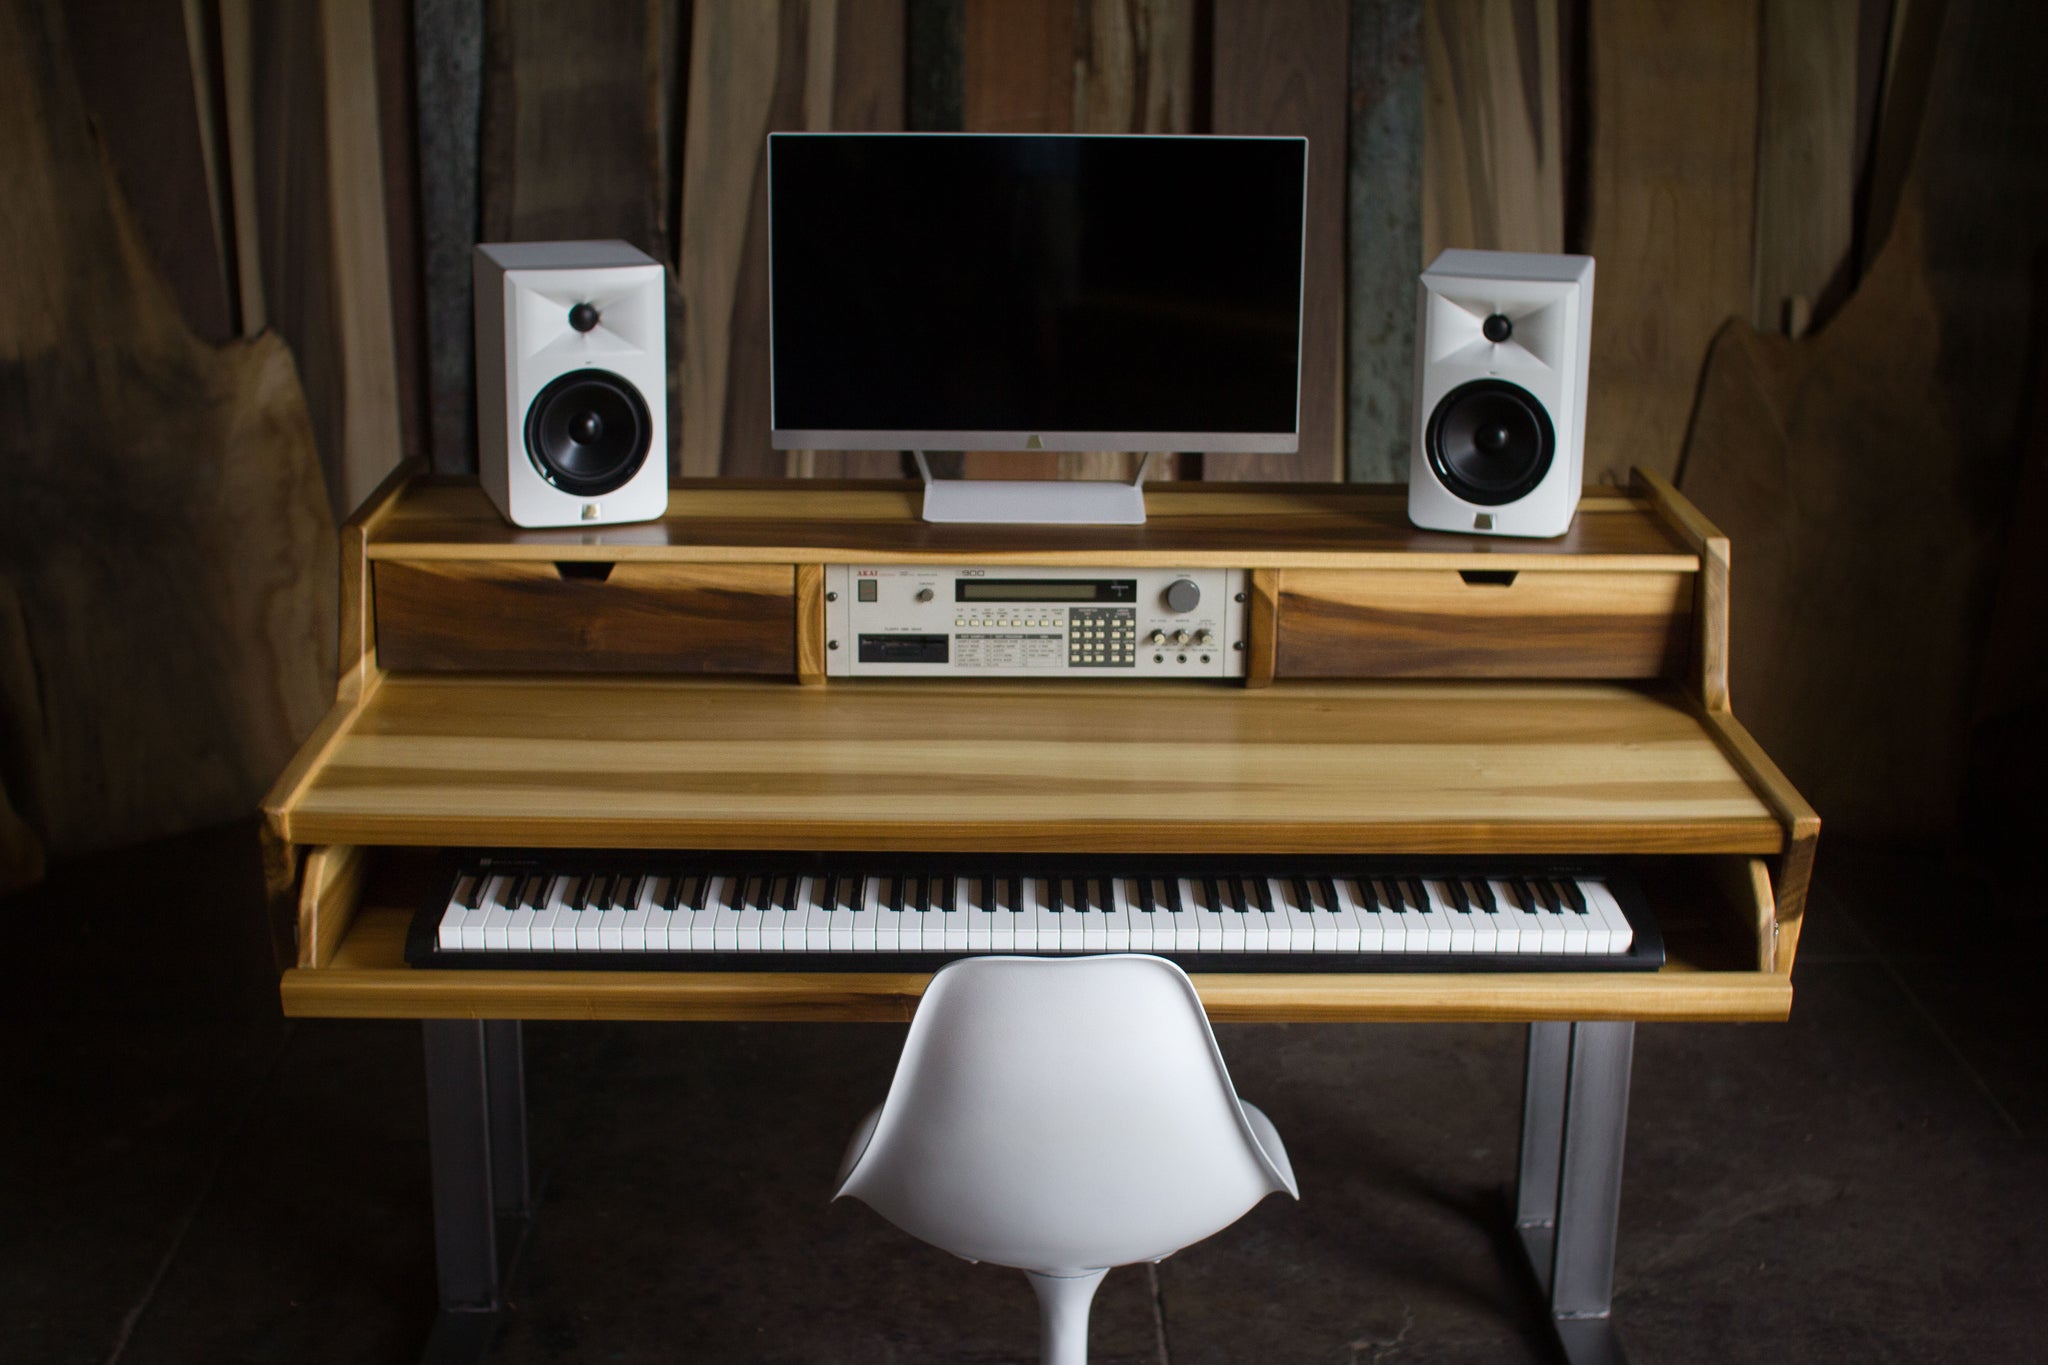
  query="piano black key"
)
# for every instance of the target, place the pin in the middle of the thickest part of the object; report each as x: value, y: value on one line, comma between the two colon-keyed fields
x: 1214, y: 896
x: 1482, y: 891
x: 1301, y: 895
x: 1174, y: 902
x: 1456, y: 887
x: 469, y: 899
x: 1569, y: 889
x: 674, y: 897
x: 755, y: 893
x: 831, y: 898
x: 596, y: 895
x: 1416, y: 893
x: 1099, y: 895
x: 1532, y: 895
x: 1262, y: 892
x: 1329, y: 890
x: 938, y: 891
x: 533, y: 891
x: 1058, y: 901
x: 898, y: 886
x: 626, y: 894
x: 781, y: 891
x: 1145, y: 901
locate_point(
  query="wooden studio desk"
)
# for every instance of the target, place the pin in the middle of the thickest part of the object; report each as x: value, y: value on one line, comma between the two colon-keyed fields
x: 664, y: 687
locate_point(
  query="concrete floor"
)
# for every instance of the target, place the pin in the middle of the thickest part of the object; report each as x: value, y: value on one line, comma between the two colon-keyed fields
x: 185, y: 1176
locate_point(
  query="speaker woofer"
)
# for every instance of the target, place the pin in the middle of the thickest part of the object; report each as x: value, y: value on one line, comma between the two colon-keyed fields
x: 588, y: 432
x: 1490, y: 441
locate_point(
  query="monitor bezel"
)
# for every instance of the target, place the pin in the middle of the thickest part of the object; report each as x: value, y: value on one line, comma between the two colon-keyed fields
x: 1222, y: 442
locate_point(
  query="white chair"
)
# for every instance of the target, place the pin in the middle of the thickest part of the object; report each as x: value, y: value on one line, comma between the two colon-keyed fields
x: 1062, y: 1116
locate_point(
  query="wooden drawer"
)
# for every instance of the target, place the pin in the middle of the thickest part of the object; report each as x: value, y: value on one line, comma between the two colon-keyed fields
x: 1474, y: 623
x: 583, y: 617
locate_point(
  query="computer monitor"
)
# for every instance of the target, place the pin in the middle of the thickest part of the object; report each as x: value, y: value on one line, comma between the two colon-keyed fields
x: 1024, y: 292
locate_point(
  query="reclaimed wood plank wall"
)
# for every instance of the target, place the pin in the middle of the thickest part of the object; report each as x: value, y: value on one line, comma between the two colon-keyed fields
x: 1818, y: 224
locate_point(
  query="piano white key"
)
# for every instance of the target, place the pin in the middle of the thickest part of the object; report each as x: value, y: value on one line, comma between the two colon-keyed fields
x: 1116, y: 921
x: 541, y: 932
x: 746, y: 928
x: 1258, y: 925
x: 776, y: 898
x: 472, y: 926
x: 1208, y: 921
x: 703, y: 898
x: 1335, y: 906
x: 1230, y: 922
x: 1600, y: 900
x: 987, y: 932
x: 1299, y: 924
x: 1094, y: 924
x: 1371, y: 935
x: 1125, y: 893
x: 498, y: 919
x: 862, y: 932
x: 797, y: 913
x: 1463, y: 935
x: 1485, y: 930
x: 1322, y: 923
x: 731, y: 890
x: 449, y: 936
x: 633, y: 920
x: 1590, y: 919
x: 519, y: 925
x: 859, y: 897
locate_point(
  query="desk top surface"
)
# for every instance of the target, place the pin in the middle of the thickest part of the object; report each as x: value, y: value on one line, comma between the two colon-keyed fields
x: 1080, y: 767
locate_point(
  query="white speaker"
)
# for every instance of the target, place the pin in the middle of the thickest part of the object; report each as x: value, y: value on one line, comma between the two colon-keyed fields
x: 1500, y: 393
x: 571, y: 382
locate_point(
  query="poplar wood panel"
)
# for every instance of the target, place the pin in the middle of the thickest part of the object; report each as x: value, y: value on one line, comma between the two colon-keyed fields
x: 1433, y: 623
x: 641, y: 617
x: 1089, y: 767
x: 368, y: 978
x: 1189, y: 524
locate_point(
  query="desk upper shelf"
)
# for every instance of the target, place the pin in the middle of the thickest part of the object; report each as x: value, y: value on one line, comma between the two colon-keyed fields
x: 1192, y: 525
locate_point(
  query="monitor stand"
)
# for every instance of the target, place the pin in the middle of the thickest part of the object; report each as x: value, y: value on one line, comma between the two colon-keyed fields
x: 1034, y: 502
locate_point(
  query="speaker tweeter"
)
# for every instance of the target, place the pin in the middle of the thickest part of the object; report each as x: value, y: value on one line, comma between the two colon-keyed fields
x: 572, y: 382
x: 1500, y: 393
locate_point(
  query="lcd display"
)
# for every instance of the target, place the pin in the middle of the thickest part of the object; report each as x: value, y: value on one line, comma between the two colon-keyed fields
x: 1044, y: 590
x: 991, y: 292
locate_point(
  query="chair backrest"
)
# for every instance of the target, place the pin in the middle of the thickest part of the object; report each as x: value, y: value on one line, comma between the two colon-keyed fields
x: 1061, y: 1115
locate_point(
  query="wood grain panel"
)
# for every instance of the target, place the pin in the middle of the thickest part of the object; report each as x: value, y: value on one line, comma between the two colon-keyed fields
x: 1411, y: 623
x: 810, y: 624
x: 638, y: 617
x: 1492, y: 145
x: 1710, y: 593
x: 1285, y: 69
x: 330, y: 892
x: 1188, y: 523
x: 1672, y: 162
x: 1409, y: 767
x: 368, y: 979
x: 1806, y: 167
x: 167, y: 577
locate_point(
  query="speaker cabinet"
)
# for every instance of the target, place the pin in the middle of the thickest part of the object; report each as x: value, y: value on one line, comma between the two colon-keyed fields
x: 571, y: 382
x: 1500, y: 393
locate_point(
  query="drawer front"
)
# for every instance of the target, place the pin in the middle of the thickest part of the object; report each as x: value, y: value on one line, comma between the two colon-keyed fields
x: 1441, y: 623
x: 628, y: 617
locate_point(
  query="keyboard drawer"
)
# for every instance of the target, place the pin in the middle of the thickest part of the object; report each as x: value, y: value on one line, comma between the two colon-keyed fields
x: 585, y: 617
x: 1476, y: 623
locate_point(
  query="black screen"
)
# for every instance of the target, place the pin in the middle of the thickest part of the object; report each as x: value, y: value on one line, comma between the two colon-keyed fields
x: 1035, y: 284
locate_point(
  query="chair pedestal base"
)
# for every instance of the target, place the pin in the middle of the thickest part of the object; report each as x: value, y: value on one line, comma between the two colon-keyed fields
x: 1063, y: 1303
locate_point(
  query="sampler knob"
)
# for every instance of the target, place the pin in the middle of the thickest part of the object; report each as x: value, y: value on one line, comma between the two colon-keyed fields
x: 1203, y: 637
x: 1180, y: 637
x: 924, y: 594
x: 1183, y: 595
x: 1158, y: 637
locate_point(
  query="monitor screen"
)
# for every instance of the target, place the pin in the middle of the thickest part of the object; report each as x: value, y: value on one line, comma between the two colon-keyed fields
x: 995, y: 292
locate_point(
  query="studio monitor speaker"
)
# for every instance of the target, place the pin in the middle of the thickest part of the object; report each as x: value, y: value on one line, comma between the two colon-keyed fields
x: 571, y: 382
x: 1500, y: 393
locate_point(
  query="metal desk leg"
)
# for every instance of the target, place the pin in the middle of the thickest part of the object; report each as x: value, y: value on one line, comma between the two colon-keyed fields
x: 476, y: 1127
x: 1574, y: 1119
